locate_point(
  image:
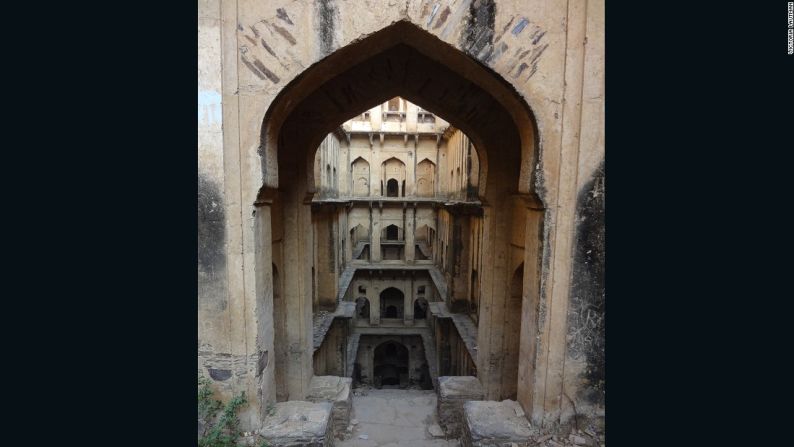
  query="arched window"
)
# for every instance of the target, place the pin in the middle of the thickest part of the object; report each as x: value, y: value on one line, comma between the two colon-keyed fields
x: 392, y: 188
x: 392, y: 233
x: 391, y: 303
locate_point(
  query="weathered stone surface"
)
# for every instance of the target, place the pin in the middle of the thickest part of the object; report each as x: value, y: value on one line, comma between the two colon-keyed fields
x: 453, y: 392
x: 395, y: 418
x: 435, y: 431
x: 335, y: 390
x: 489, y: 423
x: 299, y: 424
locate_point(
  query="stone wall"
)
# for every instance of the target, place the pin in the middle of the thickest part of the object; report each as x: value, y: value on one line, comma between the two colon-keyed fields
x: 453, y: 392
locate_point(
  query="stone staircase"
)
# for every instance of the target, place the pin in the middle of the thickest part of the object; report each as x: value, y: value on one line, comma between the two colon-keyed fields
x: 352, y: 352
x: 439, y: 281
x: 430, y: 354
x: 344, y: 282
x: 359, y: 248
x: 424, y: 249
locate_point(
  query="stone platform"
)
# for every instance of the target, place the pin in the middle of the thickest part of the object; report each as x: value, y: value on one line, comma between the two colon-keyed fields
x: 299, y: 424
x: 495, y: 424
x: 453, y: 392
x: 335, y: 390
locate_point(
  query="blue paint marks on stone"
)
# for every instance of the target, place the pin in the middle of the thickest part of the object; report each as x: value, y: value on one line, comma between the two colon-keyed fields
x: 220, y: 374
x: 520, y: 26
x: 433, y: 14
x: 209, y: 110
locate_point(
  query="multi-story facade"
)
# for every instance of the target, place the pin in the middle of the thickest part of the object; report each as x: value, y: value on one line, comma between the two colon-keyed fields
x: 396, y: 189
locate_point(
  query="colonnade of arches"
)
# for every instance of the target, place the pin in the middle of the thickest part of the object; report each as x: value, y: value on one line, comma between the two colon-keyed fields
x: 391, y: 303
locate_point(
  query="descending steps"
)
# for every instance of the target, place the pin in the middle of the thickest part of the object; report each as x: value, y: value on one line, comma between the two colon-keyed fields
x: 352, y: 352
x: 344, y: 282
x: 430, y: 355
x: 359, y: 248
x: 424, y: 249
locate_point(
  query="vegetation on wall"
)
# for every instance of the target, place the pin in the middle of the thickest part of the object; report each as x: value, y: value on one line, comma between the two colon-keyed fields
x: 221, y: 423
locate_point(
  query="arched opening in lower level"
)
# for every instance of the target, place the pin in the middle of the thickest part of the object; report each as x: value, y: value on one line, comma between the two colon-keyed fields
x: 390, y: 365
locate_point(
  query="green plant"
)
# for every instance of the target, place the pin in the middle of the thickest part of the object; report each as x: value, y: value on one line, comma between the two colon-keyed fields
x: 219, y: 430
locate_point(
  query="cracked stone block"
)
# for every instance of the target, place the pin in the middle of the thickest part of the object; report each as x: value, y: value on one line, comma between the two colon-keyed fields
x: 335, y: 390
x: 494, y: 424
x: 453, y: 392
x: 299, y: 424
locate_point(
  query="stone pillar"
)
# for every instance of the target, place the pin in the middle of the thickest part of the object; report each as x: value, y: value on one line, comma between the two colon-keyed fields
x: 494, y: 295
x: 411, y: 113
x: 374, y: 304
x: 348, y: 238
x: 408, y: 301
x: 410, y: 175
x: 266, y: 360
x: 298, y: 286
x: 453, y: 392
x: 374, y: 246
x: 410, y: 229
x: 529, y: 304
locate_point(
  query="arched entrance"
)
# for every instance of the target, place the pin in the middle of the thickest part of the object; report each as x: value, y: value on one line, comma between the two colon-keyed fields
x: 390, y: 365
x: 404, y: 60
x: 392, y: 233
x: 391, y: 303
x: 392, y: 188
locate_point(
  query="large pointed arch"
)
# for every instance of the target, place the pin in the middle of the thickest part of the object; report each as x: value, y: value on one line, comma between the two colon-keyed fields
x: 403, y: 60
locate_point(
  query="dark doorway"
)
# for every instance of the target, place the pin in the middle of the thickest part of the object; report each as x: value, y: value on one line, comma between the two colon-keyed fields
x: 392, y: 188
x: 362, y: 308
x: 420, y: 309
x: 391, y: 364
x: 391, y: 303
x: 392, y: 233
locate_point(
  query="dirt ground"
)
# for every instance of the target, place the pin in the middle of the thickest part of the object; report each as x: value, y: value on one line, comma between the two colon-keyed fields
x: 403, y: 418
x: 394, y: 418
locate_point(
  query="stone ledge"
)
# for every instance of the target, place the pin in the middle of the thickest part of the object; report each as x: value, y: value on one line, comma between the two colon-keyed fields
x: 299, y: 424
x: 453, y: 392
x: 337, y: 391
x: 490, y: 423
